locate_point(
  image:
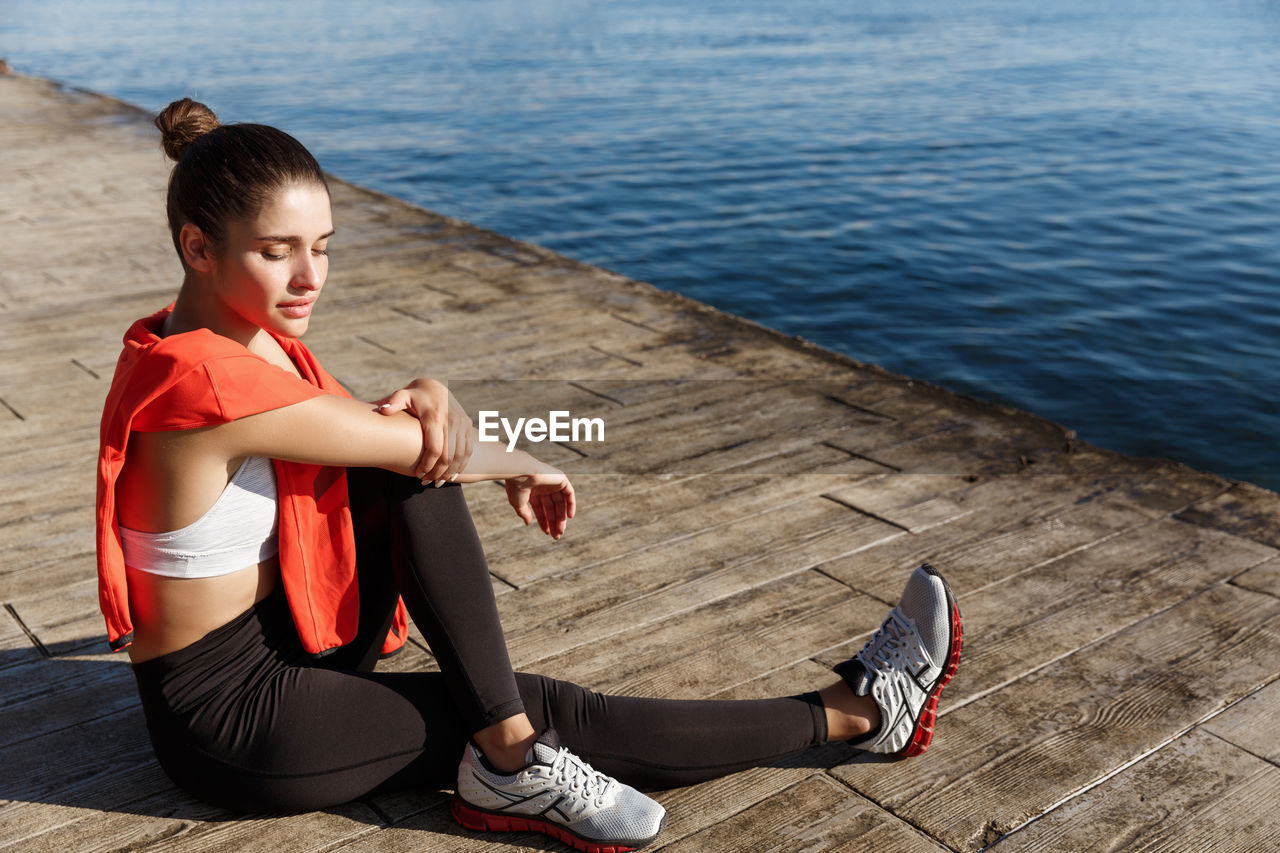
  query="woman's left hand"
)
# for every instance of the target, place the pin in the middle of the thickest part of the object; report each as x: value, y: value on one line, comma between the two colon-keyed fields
x: 546, y: 495
x: 448, y: 434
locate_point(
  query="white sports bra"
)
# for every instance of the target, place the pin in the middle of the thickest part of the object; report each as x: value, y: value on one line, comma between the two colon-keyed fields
x: 238, y: 531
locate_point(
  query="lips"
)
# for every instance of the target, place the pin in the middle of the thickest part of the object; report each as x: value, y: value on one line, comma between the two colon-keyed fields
x: 296, y: 309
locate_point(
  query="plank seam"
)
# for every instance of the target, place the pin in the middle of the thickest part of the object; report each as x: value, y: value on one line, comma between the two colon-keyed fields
x: 863, y: 456
x: 373, y: 807
x: 887, y: 810
x: 858, y: 408
x: 867, y: 513
x: 35, y: 641
x: 375, y: 344
x: 1232, y: 582
x: 411, y: 315
x: 602, y: 396
x: 635, y: 323
x: 77, y: 363
x: 983, y: 693
x: 630, y: 361
x: 1114, y: 534
x: 15, y: 412
x: 818, y: 568
x: 717, y: 599
x: 570, y: 448
x: 1235, y: 745
x: 1126, y: 765
x: 679, y: 537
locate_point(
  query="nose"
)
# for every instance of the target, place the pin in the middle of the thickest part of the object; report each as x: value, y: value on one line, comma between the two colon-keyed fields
x: 310, y: 272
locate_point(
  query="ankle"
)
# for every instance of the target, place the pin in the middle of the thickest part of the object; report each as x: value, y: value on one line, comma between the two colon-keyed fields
x: 848, y: 715
x: 506, y: 744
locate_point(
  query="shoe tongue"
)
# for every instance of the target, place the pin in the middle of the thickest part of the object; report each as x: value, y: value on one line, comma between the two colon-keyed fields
x: 855, y: 675
x: 544, y: 749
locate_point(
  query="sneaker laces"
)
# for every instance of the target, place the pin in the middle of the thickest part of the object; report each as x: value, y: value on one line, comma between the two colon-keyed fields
x: 895, y: 646
x: 575, y: 774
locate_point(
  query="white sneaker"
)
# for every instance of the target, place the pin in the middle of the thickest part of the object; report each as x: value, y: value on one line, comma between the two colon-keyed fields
x: 906, y: 664
x: 558, y: 794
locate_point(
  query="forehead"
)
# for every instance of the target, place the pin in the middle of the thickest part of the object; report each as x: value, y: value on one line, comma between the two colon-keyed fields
x: 299, y: 210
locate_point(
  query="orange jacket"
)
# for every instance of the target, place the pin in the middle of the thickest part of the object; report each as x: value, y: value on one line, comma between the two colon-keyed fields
x: 200, y: 378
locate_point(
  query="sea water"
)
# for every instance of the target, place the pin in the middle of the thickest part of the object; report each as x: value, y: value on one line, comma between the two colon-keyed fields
x: 1070, y: 207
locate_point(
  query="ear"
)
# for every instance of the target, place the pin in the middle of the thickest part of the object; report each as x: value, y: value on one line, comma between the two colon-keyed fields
x: 196, y: 250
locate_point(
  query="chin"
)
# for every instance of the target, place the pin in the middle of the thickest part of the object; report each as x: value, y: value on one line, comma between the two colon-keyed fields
x: 290, y: 328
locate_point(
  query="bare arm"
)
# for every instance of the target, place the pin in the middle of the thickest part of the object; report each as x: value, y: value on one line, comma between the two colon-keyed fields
x: 325, y: 430
x: 334, y: 430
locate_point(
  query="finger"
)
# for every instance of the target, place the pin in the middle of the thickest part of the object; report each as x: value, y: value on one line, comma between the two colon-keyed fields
x: 553, y: 513
x: 458, y: 439
x: 562, y: 516
x: 570, y: 500
x: 433, y: 439
x: 522, y: 509
x: 540, y: 511
x: 395, y: 402
x: 468, y: 443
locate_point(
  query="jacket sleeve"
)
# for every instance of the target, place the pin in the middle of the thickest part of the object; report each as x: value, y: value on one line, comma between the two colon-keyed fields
x: 221, y: 390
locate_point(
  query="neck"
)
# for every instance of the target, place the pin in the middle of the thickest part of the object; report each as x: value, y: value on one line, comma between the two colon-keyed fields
x: 193, y: 310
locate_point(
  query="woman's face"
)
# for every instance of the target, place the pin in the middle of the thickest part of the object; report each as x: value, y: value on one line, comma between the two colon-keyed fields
x: 272, y: 267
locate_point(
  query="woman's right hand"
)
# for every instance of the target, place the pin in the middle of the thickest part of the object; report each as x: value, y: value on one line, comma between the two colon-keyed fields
x: 546, y: 495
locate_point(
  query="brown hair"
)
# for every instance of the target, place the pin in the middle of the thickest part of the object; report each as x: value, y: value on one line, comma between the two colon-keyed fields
x: 226, y: 171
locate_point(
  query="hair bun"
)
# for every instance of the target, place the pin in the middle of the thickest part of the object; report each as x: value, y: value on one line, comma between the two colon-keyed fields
x: 182, y: 123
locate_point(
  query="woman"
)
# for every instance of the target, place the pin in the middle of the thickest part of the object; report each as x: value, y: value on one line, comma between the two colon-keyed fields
x: 258, y: 528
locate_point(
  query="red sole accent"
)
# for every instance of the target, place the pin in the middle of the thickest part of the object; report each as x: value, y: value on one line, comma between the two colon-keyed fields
x: 481, y: 821
x: 929, y: 714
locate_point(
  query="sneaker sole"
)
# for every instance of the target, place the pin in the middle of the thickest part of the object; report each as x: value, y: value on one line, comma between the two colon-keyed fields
x: 929, y: 713
x: 480, y: 820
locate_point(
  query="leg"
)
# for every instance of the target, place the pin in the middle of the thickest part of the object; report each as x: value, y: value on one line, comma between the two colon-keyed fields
x: 244, y: 719
x: 437, y: 558
x: 664, y: 743
x: 420, y: 541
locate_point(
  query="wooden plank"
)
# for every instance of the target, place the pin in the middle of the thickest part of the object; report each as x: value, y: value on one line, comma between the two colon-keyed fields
x: 61, y: 532
x: 1196, y: 793
x: 16, y: 647
x: 432, y: 829
x: 49, y: 694
x: 755, y: 421
x: 21, y: 440
x: 46, y: 565
x: 164, y: 821
x: 1252, y: 723
x: 77, y: 772
x: 789, y: 680
x: 1264, y: 577
x: 1015, y: 522
x: 574, y: 613
x: 913, y: 502
x: 689, y: 810
x: 617, y: 530
x: 815, y: 814
x: 686, y: 656
x: 1036, y: 616
x: 65, y: 619
x: 1050, y: 553
x: 1245, y: 510
x: 1007, y: 757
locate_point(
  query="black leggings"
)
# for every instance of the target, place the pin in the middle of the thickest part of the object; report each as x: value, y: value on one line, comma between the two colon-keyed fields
x: 244, y: 718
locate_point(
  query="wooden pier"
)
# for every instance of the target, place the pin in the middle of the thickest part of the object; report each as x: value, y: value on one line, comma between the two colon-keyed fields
x: 755, y: 506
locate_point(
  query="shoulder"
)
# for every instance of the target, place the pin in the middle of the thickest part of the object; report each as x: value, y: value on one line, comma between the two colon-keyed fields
x: 199, y: 379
